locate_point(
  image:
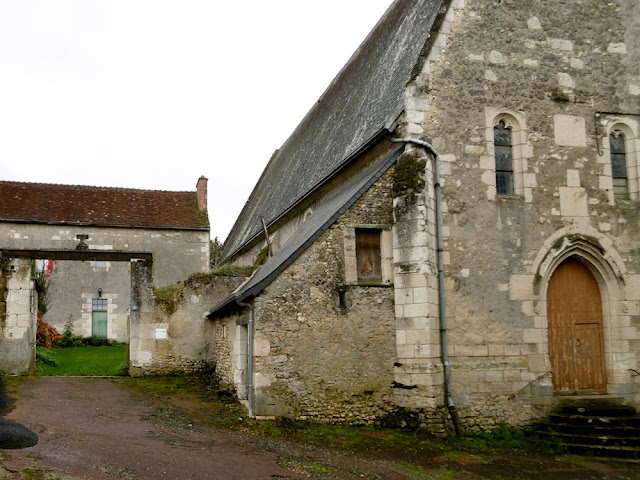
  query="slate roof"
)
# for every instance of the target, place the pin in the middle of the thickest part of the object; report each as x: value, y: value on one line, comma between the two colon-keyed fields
x: 322, y: 218
x: 99, y: 206
x: 361, y: 103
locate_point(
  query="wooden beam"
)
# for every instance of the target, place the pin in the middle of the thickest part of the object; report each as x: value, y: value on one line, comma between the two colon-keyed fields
x: 77, y: 255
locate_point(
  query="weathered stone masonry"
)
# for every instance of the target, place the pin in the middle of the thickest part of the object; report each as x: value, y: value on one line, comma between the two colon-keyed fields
x: 315, y: 358
x: 514, y: 60
x: 560, y: 88
x: 178, y: 340
x: 18, y: 300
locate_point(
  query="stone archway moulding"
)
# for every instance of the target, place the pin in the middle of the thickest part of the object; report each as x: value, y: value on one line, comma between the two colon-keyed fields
x: 597, y: 253
x: 585, y: 242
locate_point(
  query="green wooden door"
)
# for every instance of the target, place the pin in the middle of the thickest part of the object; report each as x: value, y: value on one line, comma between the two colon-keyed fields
x: 99, y: 318
x: 99, y: 325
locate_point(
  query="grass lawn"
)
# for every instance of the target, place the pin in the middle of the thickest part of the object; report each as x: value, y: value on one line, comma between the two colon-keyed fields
x: 89, y: 361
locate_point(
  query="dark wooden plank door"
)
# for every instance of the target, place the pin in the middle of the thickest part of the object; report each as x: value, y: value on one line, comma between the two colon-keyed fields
x: 576, y: 346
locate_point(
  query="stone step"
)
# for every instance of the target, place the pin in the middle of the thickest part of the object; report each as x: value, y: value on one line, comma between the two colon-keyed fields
x: 596, y: 440
x: 599, y: 425
x: 586, y: 400
x: 595, y: 420
x: 625, y: 431
x: 597, y: 410
x: 603, y: 450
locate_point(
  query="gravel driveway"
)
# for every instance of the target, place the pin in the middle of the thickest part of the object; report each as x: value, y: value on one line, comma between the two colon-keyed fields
x: 102, y: 428
x: 99, y: 429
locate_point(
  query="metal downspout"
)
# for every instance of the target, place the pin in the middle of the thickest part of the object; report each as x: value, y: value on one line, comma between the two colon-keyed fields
x: 249, y: 355
x: 444, y: 342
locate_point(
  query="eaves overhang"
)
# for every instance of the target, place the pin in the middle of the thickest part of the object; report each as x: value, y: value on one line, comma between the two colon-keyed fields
x: 356, y: 154
x: 322, y: 218
x: 105, y: 225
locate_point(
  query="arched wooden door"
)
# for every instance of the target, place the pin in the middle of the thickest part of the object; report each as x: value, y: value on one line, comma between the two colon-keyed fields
x: 576, y: 346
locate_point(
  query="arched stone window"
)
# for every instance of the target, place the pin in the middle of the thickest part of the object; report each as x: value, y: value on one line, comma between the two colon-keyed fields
x: 505, y: 165
x: 503, y: 151
x: 620, y: 157
x: 619, y: 165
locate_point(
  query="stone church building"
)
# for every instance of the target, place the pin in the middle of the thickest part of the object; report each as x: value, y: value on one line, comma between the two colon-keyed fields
x: 455, y: 223
x: 95, y: 295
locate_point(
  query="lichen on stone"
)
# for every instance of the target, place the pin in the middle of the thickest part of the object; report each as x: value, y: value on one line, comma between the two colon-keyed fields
x: 409, y: 175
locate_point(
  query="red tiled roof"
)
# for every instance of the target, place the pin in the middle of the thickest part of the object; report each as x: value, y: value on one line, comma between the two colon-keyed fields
x: 100, y: 206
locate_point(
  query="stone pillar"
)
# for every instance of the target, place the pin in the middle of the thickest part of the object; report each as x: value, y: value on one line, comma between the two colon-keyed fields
x: 141, y: 322
x: 418, y: 370
x: 18, y: 317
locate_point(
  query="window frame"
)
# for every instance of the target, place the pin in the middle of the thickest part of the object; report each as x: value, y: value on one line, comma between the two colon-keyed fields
x: 350, y: 255
x: 503, y: 155
x: 369, y: 255
x: 628, y: 127
x: 619, y: 170
x: 523, y: 182
x: 99, y: 304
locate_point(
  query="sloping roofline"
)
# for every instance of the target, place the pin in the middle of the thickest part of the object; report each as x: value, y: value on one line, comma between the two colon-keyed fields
x: 360, y: 104
x: 322, y: 218
x: 375, y: 139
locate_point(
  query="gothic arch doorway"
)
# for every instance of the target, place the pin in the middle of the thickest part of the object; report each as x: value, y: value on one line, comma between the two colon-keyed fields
x: 576, y: 339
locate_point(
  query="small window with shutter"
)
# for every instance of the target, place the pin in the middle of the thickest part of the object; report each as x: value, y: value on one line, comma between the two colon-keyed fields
x: 368, y: 255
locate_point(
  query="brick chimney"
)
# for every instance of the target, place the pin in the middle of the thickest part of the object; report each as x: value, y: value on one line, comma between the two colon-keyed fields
x: 201, y: 188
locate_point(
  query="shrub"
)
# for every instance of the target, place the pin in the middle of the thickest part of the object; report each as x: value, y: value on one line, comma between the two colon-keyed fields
x: 41, y: 279
x: 169, y: 297
x: 44, y: 357
x: 46, y: 335
x: 96, y: 342
x: 68, y: 339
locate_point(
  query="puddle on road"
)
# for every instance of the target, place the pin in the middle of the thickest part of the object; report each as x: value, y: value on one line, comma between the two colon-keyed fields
x: 12, y: 434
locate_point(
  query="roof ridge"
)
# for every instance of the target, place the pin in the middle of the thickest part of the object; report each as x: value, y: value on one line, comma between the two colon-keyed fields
x: 364, y: 97
x: 45, y: 184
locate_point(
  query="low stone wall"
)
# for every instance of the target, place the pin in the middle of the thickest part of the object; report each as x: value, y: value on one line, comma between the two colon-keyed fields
x: 171, y: 336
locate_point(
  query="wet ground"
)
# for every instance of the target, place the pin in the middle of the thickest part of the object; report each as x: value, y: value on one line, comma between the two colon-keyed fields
x: 94, y: 428
x: 99, y: 429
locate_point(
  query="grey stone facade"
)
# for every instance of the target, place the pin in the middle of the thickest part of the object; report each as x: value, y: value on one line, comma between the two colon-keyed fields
x: 177, y: 254
x: 554, y: 81
x: 328, y: 348
x: 171, y: 342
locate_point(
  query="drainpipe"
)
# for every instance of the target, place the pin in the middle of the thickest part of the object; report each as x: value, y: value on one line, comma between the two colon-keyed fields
x: 444, y: 343
x: 249, y: 355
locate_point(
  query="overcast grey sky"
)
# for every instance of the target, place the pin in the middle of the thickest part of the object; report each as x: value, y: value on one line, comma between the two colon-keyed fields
x: 154, y: 93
